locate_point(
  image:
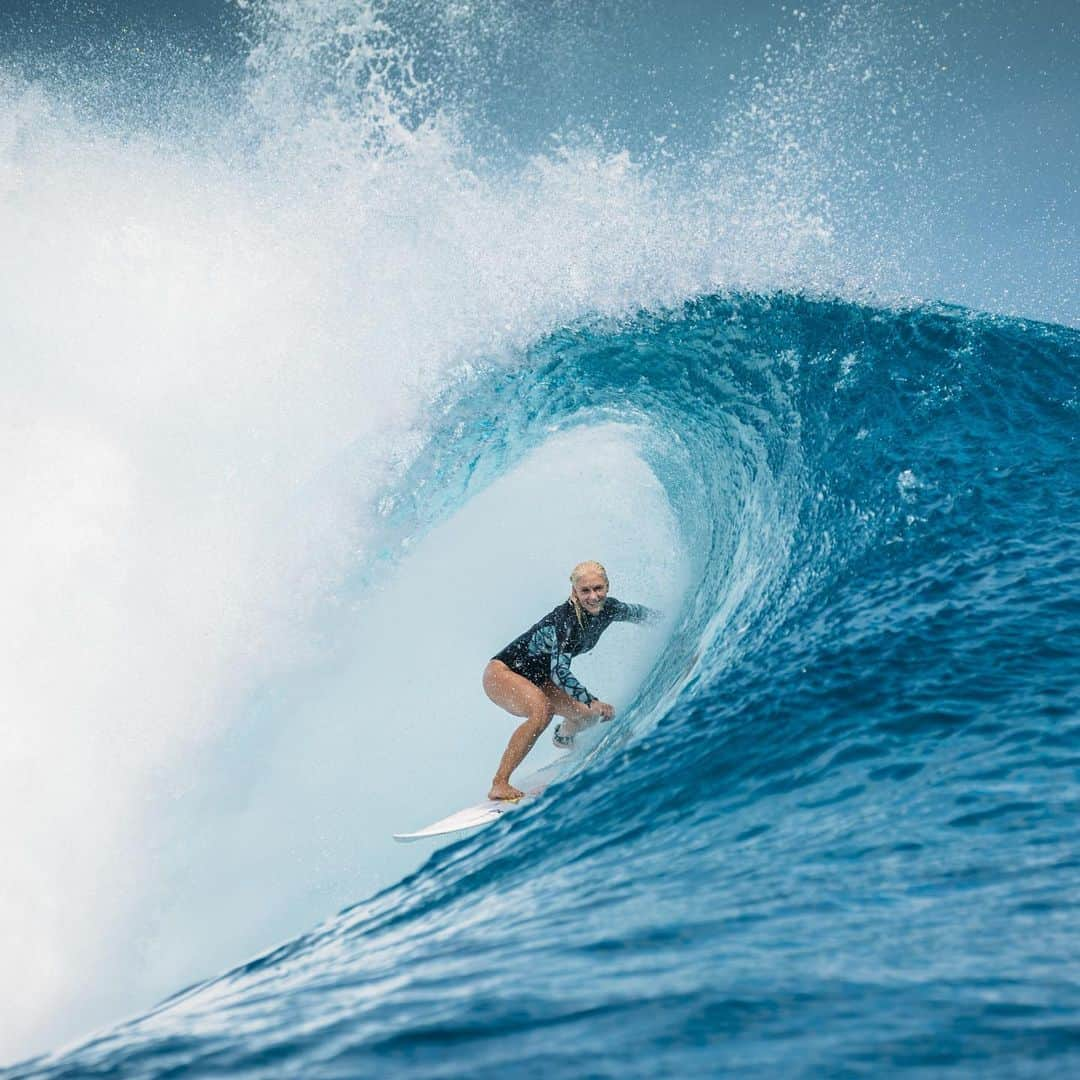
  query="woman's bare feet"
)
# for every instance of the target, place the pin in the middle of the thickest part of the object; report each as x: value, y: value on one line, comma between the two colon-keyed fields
x: 500, y: 789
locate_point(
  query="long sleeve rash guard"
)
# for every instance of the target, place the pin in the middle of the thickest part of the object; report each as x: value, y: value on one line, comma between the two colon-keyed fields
x: 543, y: 653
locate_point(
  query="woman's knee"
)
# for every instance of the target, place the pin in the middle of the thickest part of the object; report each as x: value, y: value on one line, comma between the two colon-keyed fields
x: 540, y: 714
x: 562, y: 704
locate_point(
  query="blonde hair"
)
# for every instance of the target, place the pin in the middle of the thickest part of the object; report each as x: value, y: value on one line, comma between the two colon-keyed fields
x: 581, y: 568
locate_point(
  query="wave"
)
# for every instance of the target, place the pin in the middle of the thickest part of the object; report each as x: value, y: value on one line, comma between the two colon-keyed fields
x: 823, y: 828
x: 329, y: 348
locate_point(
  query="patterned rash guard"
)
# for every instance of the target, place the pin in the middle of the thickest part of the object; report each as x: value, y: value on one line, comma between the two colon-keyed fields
x: 544, y: 651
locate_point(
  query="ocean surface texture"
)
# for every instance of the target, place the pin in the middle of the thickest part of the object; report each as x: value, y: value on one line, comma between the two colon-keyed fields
x: 836, y: 830
x: 272, y: 353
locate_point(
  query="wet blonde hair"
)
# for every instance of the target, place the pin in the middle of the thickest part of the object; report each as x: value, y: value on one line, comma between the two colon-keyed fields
x: 581, y: 568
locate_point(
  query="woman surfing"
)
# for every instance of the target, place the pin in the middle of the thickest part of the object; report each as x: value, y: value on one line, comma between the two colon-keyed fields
x: 531, y: 677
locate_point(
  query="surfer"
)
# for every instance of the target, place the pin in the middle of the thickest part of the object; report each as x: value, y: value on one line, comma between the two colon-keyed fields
x: 531, y: 677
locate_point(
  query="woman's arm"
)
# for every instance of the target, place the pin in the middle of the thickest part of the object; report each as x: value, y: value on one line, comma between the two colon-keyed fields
x: 635, y: 613
x: 563, y: 677
x: 546, y: 640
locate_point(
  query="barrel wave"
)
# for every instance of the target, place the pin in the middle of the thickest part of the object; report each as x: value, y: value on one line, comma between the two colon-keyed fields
x: 336, y: 332
x: 834, y: 833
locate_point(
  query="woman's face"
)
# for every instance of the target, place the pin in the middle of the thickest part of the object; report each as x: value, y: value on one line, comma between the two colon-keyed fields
x: 591, y: 591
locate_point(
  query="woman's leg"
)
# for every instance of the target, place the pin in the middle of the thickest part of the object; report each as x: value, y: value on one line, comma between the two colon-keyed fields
x: 577, y: 716
x: 519, y: 697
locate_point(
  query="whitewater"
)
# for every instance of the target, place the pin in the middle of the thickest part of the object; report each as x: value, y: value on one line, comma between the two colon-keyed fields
x: 321, y: 369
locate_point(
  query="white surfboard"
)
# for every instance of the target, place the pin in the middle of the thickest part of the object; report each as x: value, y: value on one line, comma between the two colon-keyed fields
x: 473, y: 817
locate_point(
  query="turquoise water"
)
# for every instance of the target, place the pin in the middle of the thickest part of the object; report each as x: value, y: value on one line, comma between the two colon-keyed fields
x: 835, y: 833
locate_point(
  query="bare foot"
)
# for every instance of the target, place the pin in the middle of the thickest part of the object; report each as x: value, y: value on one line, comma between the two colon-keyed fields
x: 500, y: 789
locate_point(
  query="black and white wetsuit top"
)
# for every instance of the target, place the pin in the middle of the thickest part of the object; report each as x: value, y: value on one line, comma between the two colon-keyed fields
x: 543, y: 653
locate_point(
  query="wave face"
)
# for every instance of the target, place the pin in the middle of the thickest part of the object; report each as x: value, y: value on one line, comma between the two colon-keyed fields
x: 835, y: 830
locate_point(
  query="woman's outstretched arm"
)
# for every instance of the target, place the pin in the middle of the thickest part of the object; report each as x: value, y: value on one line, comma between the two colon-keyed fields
x: 635, y: 613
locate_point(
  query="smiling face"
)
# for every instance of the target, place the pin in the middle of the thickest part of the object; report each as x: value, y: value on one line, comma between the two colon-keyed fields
x: 590, y: 588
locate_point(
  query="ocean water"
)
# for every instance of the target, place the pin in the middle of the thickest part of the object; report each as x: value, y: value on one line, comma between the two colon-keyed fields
x: 314, y: 391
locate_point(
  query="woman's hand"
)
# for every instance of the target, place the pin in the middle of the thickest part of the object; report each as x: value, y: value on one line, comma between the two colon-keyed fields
x: 602, y: 710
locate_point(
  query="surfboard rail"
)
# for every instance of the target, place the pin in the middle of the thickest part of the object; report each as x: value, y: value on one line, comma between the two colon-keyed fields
x: 484, y: 813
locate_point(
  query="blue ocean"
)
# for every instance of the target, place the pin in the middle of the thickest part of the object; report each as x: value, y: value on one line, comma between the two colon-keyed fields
x: 317, y: 390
